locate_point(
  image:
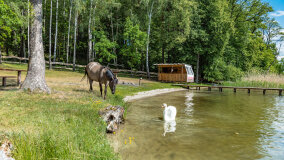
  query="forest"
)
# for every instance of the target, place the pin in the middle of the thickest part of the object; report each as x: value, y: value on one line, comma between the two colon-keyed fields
x: 221, y: 39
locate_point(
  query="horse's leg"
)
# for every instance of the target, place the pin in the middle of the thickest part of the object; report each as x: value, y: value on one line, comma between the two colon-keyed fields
x: 105, y: 90
x: 91, y: 84
x: 101, y: 89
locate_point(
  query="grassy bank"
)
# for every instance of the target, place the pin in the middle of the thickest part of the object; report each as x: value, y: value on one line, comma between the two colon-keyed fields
x: 64, y: 124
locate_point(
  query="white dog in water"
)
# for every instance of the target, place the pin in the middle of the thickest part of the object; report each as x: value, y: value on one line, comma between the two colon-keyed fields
x: 169, y: 118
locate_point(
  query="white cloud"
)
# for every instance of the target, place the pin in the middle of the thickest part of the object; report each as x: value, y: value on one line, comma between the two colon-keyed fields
x: 277, y: 14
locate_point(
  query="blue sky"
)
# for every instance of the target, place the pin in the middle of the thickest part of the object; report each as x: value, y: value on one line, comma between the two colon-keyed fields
x: 278, y: 14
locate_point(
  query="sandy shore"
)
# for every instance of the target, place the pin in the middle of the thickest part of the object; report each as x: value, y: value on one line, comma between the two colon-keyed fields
x: 140, y: 95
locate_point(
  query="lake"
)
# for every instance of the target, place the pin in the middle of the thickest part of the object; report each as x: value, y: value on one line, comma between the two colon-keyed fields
x: 209, y: 125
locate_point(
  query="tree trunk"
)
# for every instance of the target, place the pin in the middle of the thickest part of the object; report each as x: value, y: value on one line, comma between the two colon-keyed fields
x: 68, y: 36
x: 24, y: 49
x: 50, y: 25
x: 44, y: 16
x: 75, y: 33
x: 94, y: 38
x: 163, y: 53
x: 7, y: 49
x: 0, y: 55
x: 197, y: 68
x: 64, y: 9
x: 112, y: 35
x: 56, y: 32
x: 148, y: 39
x: 28, y: 28
x: 35, y: 79
x: 90, y: 34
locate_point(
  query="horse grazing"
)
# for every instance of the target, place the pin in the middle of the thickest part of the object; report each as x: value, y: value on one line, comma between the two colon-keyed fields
x: 103, y: 75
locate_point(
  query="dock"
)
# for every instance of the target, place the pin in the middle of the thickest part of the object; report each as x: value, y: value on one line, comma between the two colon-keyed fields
x: 220, y: 88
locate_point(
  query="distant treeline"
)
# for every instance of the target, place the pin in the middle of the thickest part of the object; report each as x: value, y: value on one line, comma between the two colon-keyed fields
x: 221, y: 39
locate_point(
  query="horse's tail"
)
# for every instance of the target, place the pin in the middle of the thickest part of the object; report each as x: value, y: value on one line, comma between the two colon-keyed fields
x: 86, y: 73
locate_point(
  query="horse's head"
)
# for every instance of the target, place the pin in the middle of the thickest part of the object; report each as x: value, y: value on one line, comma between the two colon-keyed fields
x: 112, y: 84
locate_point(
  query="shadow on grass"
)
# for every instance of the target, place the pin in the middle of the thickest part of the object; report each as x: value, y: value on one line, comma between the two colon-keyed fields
x: 96, y: 93
x: 11, y: 85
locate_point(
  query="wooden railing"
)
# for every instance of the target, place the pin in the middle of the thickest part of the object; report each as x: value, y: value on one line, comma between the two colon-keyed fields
x: 153, y: 75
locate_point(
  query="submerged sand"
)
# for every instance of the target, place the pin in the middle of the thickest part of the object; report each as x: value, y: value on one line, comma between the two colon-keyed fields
x: 150, y: 93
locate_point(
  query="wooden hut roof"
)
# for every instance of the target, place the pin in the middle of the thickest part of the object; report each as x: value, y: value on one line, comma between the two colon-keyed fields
x: 171, y: 64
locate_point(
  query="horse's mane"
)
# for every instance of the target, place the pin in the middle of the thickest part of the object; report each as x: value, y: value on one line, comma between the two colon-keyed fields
x: 108, y: 69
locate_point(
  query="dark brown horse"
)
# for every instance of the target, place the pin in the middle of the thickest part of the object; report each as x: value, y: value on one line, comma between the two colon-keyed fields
x: 103, y: 75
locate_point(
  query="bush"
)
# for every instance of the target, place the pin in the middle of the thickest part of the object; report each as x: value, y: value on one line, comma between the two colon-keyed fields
x: 219, y: 71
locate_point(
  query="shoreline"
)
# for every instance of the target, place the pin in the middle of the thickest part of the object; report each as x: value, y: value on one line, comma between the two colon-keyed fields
x: 150, y: 93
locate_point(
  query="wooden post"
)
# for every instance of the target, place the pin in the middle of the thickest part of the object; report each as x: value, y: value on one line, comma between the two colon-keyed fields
x: 209, y: 88
x: 4, y: 81
x: 264, y: 91
x: 19, y: 78
x: 140, y: 81
x: 198, y: 88
x: 220, y: 89
x: 248, y: 90
x: 280, y: 92
x: 235, y: 90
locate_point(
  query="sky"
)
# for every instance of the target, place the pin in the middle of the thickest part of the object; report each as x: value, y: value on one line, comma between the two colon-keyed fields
x: 278, y: 14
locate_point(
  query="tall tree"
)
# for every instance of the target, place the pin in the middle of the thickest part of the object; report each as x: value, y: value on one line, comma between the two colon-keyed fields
x: 93, y: 36
x: 90, y: 33
x: 75, y: 39
x: 0, y: 55
x: 56, y: 32
x: 68, y: 36
x: 35, y: 79
x: 148, y: 38
x: 50, y: 27
x: 28, y: 28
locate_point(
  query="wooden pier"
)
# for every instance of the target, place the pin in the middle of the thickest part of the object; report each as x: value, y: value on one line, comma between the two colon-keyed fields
x: 220, y: 88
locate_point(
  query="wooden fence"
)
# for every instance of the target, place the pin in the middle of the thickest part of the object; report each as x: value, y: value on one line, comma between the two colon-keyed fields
x: 153, y: 75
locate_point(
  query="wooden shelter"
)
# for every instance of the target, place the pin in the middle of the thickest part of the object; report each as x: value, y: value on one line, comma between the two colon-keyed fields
x: 175, y: 72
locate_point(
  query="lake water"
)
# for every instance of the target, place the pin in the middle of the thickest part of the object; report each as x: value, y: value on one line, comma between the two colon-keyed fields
x: 209, y: 125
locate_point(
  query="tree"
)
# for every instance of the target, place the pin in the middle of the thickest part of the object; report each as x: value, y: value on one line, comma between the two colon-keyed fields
x: 50, y: 25
x: 29, y: 51
x: 90, y: 33
x: 9, y: 21
x: 68, y: 36
x: 56, y: 32
x: 104, y: 47
x: 148, y: 39
x: 35, y: 79
x: 135, y: 41
x: 75, y: 39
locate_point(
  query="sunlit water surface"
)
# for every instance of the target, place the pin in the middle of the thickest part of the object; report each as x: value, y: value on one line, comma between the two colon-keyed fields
x: 209, y: 125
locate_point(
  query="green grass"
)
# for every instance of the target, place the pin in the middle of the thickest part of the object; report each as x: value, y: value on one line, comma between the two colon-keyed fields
x: 64, y: 124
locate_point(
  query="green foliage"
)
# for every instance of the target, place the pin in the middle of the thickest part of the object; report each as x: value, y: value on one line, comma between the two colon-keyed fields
x: 9, y: 21
x: 104, y: 47
x: 280, y: 67
x: 225, y: 34
x: 220, y: 71
x: 135, y: 41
